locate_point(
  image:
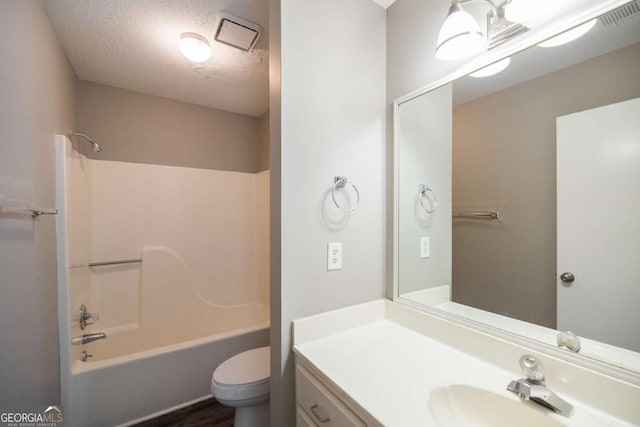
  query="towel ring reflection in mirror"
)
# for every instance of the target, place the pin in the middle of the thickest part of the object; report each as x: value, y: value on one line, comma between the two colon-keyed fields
x: 340, y: 182
x: 433, y: 201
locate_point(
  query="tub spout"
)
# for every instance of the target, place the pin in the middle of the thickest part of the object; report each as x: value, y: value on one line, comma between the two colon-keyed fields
x: 87, y: 338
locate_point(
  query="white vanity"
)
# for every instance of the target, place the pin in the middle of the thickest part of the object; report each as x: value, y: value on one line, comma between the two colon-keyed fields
x: 383, y: 363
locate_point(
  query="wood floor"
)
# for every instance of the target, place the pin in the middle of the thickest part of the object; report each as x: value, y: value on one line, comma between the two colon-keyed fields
x: 208, y: 413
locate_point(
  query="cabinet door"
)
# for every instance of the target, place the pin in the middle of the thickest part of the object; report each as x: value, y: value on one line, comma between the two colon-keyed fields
x: 302, y: 419
x: 322, y: 406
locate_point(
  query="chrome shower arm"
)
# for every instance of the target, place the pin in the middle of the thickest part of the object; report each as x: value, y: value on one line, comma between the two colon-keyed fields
x: 96, y: 146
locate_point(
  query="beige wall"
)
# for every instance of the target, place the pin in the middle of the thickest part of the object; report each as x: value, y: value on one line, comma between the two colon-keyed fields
x: 37, y: 85
x: 263, y: 143
x: 140, y: 128
x: 505, y: 158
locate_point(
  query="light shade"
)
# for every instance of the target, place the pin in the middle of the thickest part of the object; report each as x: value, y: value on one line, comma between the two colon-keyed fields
x: 460, y: 37
x: 569, y: 36
x: 492, y: 69
x: 194, y: 47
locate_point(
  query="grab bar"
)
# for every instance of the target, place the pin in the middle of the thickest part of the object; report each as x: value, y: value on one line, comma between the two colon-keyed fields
x: 488, y: 216
x: 123, y: 261
x: 100, y: 264
x: 34, y: 211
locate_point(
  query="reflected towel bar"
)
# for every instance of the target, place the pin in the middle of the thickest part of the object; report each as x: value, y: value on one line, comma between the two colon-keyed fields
x: 34, y: 211
x: 487, y: 216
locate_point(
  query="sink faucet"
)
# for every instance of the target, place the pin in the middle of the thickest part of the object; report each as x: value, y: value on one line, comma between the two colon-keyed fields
x: 533, y: 387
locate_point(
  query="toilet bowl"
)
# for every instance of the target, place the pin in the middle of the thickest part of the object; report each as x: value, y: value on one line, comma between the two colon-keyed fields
x: 243, y: 382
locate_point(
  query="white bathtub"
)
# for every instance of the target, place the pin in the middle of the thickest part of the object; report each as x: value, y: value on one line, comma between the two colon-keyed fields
x: 170, y: 318
x: 125, y: 389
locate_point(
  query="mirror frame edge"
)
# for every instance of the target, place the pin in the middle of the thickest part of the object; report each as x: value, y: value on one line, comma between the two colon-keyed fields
x: 475, y: 64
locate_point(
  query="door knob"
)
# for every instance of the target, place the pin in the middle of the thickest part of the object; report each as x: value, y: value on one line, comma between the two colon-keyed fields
x: 567, y: 277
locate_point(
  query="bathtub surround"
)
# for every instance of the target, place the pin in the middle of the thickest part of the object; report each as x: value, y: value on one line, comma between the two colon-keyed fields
x: 140, y: 128
x: 38, y: 100
x: 203, y: 222
x: 193, y: 301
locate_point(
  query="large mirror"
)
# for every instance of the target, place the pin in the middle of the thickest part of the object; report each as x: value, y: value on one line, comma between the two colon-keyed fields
x: 518, y: 195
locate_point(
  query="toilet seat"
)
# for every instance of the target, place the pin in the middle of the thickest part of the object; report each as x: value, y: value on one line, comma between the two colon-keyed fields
x: 243, y: 376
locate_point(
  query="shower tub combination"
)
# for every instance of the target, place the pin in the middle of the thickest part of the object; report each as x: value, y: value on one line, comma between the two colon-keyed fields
x: 170, y: 317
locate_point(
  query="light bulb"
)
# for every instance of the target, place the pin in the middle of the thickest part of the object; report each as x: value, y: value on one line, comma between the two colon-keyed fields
x: 194, y: 47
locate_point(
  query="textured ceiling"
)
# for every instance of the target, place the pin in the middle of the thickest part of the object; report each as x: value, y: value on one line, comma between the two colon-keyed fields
x: 132, y: 44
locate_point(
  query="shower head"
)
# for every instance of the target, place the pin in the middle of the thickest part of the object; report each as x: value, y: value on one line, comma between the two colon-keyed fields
x: 96, y: 146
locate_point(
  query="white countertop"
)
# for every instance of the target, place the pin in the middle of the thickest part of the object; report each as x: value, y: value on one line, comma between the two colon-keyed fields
x: 393, y: 372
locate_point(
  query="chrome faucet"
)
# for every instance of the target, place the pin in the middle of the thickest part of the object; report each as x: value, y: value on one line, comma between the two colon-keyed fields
x: 533, y: 387
x: 87, y: 318
x: 87, y: 338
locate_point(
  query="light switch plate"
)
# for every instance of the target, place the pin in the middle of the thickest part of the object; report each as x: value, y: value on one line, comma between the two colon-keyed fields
x: 425, y: 247
x: 334, y: 256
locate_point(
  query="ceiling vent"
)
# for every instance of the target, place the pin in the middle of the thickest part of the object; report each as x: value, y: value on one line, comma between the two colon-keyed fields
x: 237, y: 32
x: 617, y: 15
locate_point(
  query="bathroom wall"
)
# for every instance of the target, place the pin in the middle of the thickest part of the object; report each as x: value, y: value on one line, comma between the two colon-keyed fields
x: 263, y: 142
x: 332, y: 123
x: 37, y: 85
x: 516, y: 164
x: 136, y: 127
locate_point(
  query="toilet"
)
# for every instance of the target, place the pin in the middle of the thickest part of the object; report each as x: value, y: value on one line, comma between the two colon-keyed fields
x: 242, y: 382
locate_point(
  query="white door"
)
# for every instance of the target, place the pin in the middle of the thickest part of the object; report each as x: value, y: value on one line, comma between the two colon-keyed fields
x: 598, y: 191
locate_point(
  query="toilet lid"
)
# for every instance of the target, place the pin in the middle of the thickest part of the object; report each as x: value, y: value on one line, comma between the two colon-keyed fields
x: 245, y: 368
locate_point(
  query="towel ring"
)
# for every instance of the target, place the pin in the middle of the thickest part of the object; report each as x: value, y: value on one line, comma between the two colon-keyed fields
x: 422, y: 191
x: 340, y: 182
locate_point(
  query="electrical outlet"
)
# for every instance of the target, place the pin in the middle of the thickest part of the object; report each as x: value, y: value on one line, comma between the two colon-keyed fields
x: 425, y: 247
x: 334, y: 256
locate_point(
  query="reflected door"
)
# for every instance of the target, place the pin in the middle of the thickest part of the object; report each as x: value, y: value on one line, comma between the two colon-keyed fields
x: 598, y: 203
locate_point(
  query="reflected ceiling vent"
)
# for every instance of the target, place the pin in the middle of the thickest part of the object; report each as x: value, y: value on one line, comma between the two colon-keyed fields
x: 237, y: 32
x: 623, y: 12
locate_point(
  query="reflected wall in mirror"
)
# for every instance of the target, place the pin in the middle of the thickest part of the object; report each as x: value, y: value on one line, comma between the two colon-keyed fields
x: 552, y: 144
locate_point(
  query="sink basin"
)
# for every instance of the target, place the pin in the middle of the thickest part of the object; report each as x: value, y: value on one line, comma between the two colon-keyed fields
x: 467, y: 406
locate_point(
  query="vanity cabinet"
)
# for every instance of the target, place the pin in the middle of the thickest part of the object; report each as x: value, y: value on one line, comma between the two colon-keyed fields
x: 319, y: 403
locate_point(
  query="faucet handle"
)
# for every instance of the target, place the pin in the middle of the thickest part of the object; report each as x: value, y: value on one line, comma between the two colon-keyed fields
x: 532, y: 368
x: 87, y: 318
x: 569, y: 340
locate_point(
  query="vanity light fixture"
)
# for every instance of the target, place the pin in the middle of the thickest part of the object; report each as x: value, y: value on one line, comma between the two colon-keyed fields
x: 460, y: 35
x: 526, y: 10
x: 194, y: 47
x: 492, y: 69
x: 570, y: 35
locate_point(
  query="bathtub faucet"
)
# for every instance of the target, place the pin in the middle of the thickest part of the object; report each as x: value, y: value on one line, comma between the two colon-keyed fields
x: 87, y: 338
